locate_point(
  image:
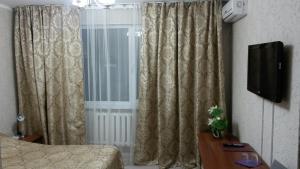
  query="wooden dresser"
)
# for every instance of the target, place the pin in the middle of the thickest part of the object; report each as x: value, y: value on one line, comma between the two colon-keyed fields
x: 213, y: 155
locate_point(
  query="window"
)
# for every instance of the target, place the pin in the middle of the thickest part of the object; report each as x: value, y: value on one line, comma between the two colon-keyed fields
x: 110, y: 66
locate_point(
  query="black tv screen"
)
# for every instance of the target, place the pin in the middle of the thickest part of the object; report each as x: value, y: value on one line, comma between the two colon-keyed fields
x: 265, y: 68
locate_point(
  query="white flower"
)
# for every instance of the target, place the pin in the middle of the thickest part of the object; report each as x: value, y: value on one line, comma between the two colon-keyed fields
x: 218, y: 118
x: 210, y: 121
x: 211, y: 109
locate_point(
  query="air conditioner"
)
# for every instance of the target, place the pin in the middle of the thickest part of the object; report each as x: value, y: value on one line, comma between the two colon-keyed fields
x: 234, y: 10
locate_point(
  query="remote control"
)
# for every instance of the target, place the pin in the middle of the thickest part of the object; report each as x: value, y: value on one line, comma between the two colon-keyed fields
x: 234, y: 145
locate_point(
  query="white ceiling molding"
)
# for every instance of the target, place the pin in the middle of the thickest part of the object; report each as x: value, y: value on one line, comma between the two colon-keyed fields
x: 15, y: 3
x: 5, y: 7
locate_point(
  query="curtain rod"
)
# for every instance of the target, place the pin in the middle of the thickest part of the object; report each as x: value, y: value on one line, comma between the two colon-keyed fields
x: 116, y: 5
x: 166, y: 1
x: 125, y: 3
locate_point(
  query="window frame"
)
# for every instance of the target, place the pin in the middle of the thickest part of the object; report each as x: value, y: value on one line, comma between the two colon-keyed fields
x: 133, y: 55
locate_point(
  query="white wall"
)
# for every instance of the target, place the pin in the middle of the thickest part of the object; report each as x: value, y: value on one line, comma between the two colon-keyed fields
x: 7, y: 76
x: 273, y: 129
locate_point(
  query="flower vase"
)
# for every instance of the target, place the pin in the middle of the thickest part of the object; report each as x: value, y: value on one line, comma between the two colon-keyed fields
x: 217, y: 133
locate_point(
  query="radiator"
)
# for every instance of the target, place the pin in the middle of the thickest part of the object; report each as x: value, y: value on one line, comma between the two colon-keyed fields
x: 112, y: 127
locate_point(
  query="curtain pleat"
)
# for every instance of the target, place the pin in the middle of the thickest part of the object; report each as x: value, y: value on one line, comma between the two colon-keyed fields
x: 49, y: 72
x: 181, y: 76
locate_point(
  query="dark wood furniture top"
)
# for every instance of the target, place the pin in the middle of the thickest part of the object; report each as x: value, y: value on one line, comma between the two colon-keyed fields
x: 213, y: 156
x: 34, y: 138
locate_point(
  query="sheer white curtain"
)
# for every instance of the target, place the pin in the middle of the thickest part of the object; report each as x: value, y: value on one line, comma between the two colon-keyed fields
x: 110, y: 37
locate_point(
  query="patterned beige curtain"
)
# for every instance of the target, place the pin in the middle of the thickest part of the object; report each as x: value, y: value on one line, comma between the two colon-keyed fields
x: 49, y: 72
x: 181, y: 76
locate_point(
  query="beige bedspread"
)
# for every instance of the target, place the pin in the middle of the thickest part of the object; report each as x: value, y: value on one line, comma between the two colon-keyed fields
x: 17, y: 154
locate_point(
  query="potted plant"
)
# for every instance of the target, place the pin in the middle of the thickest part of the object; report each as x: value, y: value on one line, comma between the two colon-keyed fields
x: 217, y: 121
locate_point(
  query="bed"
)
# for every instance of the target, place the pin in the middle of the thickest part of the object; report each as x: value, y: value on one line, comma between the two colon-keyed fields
x: 17, y: 154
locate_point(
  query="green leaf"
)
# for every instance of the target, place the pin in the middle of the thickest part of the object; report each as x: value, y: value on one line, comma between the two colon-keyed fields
x: 220, y: 124
x: 215, y: 111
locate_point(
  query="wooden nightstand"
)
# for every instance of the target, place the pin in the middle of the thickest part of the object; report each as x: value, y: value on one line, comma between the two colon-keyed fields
x: 34, y: 138
x: 213, y: 155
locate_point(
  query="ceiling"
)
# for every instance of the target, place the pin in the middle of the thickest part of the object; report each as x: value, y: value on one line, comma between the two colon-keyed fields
x: 14, y: 3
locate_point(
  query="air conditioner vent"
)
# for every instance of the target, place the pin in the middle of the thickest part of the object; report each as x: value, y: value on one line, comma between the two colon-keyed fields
x: 234, y: 10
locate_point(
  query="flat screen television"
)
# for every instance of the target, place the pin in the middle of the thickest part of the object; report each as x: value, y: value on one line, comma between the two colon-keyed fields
x: 265, y: 70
